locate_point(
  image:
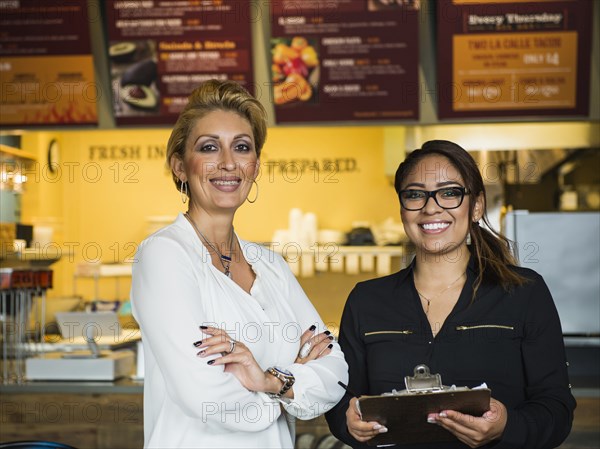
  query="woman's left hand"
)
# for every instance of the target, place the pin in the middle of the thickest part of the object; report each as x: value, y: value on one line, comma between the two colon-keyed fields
x: 241, y: 363
x: 314, y: 346
x: 471, y: 430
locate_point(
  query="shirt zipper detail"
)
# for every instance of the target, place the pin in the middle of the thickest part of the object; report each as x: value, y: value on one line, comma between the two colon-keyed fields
x: 388, y: 332
x: 484, y: 326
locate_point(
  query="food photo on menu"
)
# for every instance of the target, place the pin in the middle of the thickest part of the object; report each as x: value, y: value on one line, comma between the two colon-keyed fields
x: 134, y: 73
x: 294, y: 70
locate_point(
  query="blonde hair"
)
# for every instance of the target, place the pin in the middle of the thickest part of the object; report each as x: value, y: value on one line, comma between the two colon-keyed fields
x: 211, y: 96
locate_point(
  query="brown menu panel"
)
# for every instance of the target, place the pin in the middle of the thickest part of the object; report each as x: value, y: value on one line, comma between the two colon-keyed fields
x: 344, y: 60
x: 46, y: 66
x: 513, y: 58
x: 159, y: 51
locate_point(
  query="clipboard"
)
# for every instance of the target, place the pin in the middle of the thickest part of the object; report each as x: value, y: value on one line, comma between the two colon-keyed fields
x: 405, y: 412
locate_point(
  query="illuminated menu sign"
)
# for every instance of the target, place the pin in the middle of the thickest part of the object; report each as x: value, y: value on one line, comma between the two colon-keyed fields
x: 160, y: 51
x: 46, y: 65
x: 513, y: 58
x: 344, y: 60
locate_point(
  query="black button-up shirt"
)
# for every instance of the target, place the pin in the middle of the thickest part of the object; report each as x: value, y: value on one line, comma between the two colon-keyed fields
x: 510, y: 340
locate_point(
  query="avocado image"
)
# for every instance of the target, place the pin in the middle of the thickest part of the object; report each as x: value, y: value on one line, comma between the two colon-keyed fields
x: 143, y: 72
x: 122, y: 51
x: 139, y: 96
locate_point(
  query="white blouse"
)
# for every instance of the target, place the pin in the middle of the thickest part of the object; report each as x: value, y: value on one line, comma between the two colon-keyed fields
x: 188, y: 403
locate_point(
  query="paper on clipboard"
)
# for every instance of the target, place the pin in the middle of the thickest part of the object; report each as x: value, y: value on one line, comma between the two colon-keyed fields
x: 404, y: 413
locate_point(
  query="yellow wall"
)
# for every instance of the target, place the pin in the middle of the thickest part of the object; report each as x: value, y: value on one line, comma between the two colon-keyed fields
x: 99, y: 207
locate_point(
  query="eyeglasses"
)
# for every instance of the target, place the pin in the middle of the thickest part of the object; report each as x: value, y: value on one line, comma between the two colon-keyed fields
x: 446, y: 198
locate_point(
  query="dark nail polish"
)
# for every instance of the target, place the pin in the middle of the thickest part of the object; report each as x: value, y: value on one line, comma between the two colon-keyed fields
x: 197, y: 343
x: 203, y: 327
x: 200, y: 353
x: 210, y: 362
x: 330, y: 337
x: 312, y: 328
x: 330, y: 346
x: 327, y: 333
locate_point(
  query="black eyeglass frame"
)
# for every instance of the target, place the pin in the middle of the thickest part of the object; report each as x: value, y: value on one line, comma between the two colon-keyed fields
x: 433, y: 194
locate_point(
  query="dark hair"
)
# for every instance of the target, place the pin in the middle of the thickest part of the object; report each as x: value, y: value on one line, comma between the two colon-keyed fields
x: 210, y: 96
x: 491, y: 249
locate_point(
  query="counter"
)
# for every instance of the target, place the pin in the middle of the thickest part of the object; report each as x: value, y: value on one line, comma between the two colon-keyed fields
x: 110, y: 415
x: 94, y: 415
x: 120, y: 386
x: 81, y: 414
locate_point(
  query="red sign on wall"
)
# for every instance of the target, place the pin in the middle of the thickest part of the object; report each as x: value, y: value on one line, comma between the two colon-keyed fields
x: 344, y: 61
x: 513, y: 58
x: 160, y: 51
x: 46, y: 65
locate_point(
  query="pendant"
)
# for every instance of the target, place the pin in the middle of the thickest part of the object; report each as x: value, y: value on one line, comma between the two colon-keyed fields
x: 228, y: 274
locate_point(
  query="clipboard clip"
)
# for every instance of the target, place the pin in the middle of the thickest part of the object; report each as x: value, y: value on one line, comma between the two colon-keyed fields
x: 423, y: 381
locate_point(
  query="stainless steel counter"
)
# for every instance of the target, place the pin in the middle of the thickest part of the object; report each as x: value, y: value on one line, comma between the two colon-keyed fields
x: 120, y: 386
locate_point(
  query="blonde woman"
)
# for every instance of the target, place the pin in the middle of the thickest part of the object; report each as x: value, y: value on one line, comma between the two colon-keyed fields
x: 222, y: 319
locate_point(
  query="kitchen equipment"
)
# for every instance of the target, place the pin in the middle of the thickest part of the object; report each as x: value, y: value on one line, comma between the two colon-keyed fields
x: 360, y: 236
x: 105, y: 328
x: 25, y: 232
x: 564, y: 247
x: 18, y: 288
x: 108, y: 366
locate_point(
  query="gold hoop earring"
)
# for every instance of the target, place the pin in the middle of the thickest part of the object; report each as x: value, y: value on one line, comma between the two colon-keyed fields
x: 183, y: 191
x: 255, y: 196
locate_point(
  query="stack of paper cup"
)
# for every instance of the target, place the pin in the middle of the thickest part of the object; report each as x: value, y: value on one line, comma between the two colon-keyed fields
x: 295, y: 224
x: 42, y: 235
x: 309, y: 230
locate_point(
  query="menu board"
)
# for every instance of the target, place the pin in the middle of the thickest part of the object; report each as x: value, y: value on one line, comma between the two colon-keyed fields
x: 160, y: 51
x: 513, y: 58
x: 343, y: 60
x: 46, y: 65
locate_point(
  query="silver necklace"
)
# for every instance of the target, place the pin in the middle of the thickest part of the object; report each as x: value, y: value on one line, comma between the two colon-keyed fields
x: 437, y: 295
x: 225, y: 260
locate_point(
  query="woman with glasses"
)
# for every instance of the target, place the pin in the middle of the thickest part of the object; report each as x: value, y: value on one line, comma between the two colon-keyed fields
x: 463, y: 308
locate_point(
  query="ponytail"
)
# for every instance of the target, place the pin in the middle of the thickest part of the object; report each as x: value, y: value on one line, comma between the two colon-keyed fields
x: 494, y: 257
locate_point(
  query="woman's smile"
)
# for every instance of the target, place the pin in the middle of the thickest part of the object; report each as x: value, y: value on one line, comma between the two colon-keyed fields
x: 226, y: 183
x: 434, y: 227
